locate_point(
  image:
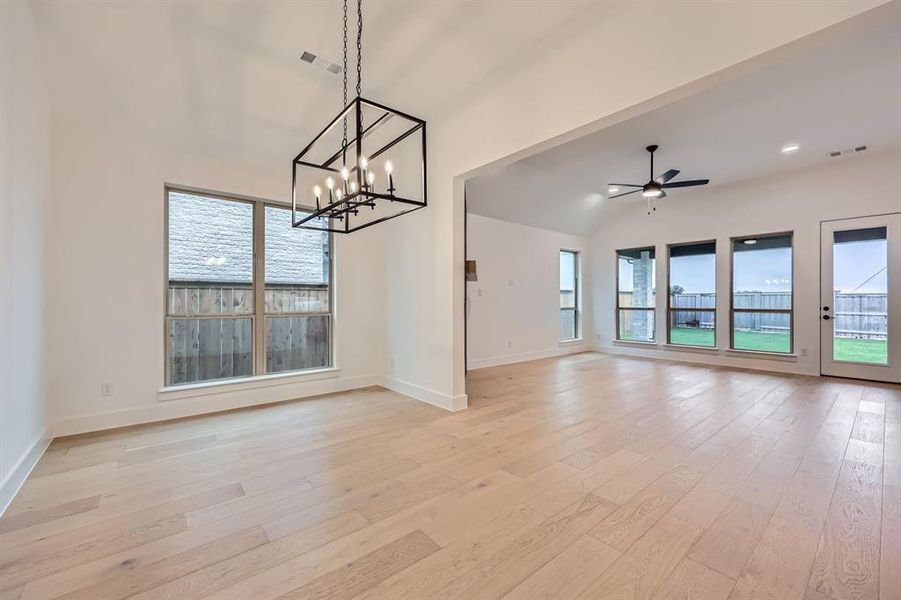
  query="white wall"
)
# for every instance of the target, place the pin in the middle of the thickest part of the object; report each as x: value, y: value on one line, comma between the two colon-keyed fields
x: 797, y: 202
x: 558, y: 87
x: 24, y: 176
x: 105, y: 254
x: 106, y: 298
x: 514, y: 307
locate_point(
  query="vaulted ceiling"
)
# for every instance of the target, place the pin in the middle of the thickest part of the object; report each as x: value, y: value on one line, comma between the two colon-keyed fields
x: 228, y: 74
x: 838, y: 91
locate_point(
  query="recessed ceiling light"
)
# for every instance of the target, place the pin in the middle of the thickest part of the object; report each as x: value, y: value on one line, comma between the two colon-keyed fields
x: 750, y: 242
x: 789, y: 148
x: 612, y: 189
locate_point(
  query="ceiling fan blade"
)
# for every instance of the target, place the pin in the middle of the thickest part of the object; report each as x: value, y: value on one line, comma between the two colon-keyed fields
x: 625, y: 185
x: 687, y: 183
x: 667, y: 176
x: 624, y: 194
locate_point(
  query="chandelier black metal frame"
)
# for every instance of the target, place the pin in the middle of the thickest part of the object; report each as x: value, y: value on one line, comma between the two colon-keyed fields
x: 348, y: 174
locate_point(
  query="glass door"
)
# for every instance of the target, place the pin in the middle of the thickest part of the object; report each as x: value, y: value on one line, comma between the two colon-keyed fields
x: 861, y: 278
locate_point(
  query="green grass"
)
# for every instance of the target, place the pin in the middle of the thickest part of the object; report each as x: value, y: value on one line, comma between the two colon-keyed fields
x: 691, y: 336
x: 864, y: 351
x: 847, y: 349
x: 762, y: 342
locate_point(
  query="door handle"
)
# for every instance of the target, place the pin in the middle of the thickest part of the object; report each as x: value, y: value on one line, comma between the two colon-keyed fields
x: 826, y: 317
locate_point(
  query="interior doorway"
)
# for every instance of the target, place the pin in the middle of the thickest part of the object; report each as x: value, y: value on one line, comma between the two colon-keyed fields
x: 860, y: 334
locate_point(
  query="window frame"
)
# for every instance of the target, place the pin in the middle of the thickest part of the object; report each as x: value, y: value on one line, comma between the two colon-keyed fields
x: 789, y: 311
x: 577, y: 292
x: 669, y: 308
x: 258, y: 285
x: 618, y: 308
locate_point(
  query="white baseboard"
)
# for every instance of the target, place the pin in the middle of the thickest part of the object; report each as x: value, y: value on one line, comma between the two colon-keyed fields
x: 506, y: 359
x: 206, y: 402
x: 451, y: 403
x: 11, y: 484
x: 714, y: 358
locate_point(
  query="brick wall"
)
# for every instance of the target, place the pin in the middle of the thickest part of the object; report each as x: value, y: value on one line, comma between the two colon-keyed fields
x: 211, y: 240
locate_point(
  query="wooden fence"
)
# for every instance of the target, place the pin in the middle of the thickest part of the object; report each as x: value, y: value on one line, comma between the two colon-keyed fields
x: 861, y: 316
x: 856, y: 315
x: 210, y: 329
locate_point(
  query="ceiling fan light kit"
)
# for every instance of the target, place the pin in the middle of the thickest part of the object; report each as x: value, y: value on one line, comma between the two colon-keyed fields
x: 656, y: 187
x: 344, y: 185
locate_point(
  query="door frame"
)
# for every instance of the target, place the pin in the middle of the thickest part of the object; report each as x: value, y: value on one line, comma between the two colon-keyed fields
x: 891, y: 371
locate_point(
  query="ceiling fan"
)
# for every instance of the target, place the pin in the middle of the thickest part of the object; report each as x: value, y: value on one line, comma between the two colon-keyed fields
x: 657, y: 186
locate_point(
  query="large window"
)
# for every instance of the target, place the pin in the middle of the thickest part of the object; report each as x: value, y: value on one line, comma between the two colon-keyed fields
x: 635, y: 294
x: 228, y: 315
x: 762, y: 293
x: 692, y: 294
x: 569, y: 295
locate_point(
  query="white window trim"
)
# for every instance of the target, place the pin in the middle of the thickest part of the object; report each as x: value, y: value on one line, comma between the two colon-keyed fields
x: 635, y: 343
x: 791, y: 355
x: 577, y: 296
x: 220, y: 386
x: 259, y: 379
x: 616, y: 307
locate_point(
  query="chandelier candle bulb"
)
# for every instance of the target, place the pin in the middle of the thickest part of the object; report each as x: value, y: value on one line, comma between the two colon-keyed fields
x: 317, y: 191
x: 364, y: 164
x: 330, y: 184
x: 389, y: 169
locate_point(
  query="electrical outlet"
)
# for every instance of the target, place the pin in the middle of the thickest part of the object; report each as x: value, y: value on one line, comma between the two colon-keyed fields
x: 509, y: 344
x: 598, y: 337
x: 804, y: 352
x: 106, y: 389
x: 511, y: 283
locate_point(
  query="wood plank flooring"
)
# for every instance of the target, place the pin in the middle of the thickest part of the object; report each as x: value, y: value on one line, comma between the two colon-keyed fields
x: 588, y: 476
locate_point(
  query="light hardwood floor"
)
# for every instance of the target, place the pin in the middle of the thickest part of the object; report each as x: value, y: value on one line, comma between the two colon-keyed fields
x: 589, y: 476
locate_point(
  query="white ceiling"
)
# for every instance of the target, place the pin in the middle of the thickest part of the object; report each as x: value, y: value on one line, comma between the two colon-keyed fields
x: 841, y: 92
x: 227, y: 75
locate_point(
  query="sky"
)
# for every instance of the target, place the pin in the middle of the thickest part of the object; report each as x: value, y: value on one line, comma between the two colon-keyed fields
x: 770, y: 270
x: 855, y: 262
x: 567, y: 281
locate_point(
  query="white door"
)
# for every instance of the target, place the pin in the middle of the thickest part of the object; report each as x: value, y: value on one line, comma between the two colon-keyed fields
x: 860, y: 304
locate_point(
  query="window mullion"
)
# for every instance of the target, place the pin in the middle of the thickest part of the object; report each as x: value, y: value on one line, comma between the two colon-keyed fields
x: 259, y: 298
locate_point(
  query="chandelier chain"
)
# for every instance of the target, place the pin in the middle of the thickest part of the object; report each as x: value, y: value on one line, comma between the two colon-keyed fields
x: 359, y: 47
x: 344, y: 97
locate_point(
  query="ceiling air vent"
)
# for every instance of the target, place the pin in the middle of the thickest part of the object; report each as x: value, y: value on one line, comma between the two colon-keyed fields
x: 847, y: 151
x: 322, y: 63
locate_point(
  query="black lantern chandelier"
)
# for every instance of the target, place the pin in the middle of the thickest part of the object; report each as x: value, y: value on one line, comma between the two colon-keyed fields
x: 344, y: 185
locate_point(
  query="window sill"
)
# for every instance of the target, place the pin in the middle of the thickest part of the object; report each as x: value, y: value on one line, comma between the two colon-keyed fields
x: 573, y: 342
x: 206, y: 388
x: 764, y: 355
x: 688, y: 348
x: 635, y: 343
